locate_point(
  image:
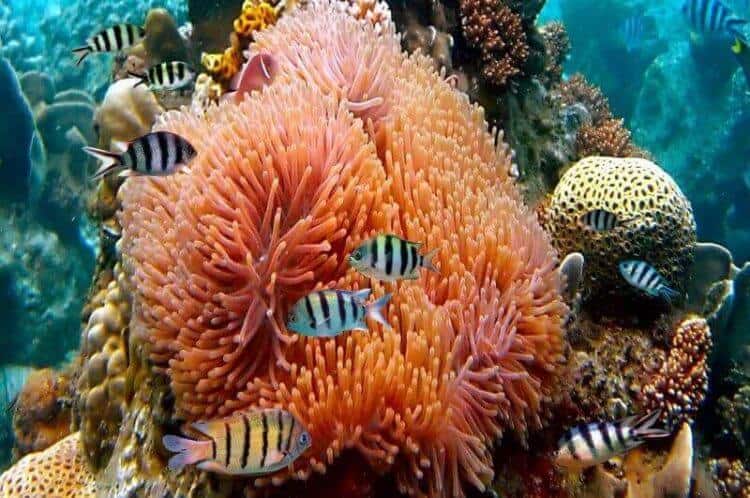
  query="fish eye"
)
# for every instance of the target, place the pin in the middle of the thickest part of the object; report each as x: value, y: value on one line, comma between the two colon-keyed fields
x: 357, y: 255
x: 304, y: 439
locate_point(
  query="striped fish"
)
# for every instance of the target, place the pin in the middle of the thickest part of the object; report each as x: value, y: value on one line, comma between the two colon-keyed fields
x: 601, y: 220
x: 171, y: 75
x: 632, y: 32
x: 644, y: 277
x: 246, y: 443
x: 114, y: 39
x: 713, y: 17
x: 155, y: 154
x: 328, y: 313
x: 591, y: 444
x: 390, y: 258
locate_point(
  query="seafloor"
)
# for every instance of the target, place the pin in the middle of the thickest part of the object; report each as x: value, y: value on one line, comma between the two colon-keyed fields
x: 451, y: 123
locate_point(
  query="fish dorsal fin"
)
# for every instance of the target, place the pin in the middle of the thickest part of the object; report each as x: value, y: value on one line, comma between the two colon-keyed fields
x: 361, y: 296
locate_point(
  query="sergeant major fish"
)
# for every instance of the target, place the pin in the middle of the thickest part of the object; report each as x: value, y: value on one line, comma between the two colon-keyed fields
x: 158, y: 153
x: 644, y: 277
x: 171, y: 75
x: 591, y: 444
x: 390, y: 258
x: 601, y: 220
x: 713, y: 17
x: 328, y: 313
x: 114, y: 39
x: 246, y: 443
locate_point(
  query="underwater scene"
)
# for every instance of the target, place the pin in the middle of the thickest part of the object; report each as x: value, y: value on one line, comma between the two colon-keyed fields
x: 375, y: 249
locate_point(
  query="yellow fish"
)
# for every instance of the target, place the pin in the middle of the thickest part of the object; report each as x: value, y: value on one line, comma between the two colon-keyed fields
x: 252, y: 442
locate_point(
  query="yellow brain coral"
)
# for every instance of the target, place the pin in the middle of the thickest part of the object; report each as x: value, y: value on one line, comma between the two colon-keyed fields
x: 285, y: 184
x: 58, y: 471
x: 656, y: 220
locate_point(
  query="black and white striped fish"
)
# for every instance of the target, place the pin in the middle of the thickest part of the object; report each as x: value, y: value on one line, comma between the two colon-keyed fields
x: 632, y: 32
x: 159, y: 153
x: 390, y: 258
x: 171, y: 75
x: 601, y: 220
x: 713, y: 17
x: 328, y: 313
x: 591, y: 444
x: 253, y: 442
x: 114, y: 39
x: 644, y: 277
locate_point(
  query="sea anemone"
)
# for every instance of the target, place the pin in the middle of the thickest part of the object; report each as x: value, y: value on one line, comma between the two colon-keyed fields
x: 285, y: 184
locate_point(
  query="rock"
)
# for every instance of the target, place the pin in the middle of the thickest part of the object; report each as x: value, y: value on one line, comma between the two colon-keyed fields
x: 16, y: 135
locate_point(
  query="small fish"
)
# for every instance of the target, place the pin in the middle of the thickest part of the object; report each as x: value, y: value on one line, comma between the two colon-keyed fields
x: 390, y: 258
x: 713, y: 17
x: 253, y: 442
x: 328, y: 313
x: 644, y: 277
x: 632, y: 32
x: 114, y: 39
x: 171, y: 75
x: 258, y: 72
x: 741, y: 52
x: 601, y: 220
x: 591, y: 444
x: 155, y: 154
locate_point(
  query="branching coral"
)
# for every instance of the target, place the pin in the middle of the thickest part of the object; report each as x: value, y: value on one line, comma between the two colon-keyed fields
x: 680, y: 386
x: 557, y: 47
x: 577, y: 90
x: 608, y: 138
x: 498, y: 32
x: 732, y: 477
x: 285, y: 184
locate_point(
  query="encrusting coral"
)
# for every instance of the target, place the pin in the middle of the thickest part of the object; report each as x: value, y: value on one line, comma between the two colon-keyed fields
x: 60, y: 470
x: 656, y: 224
x: 268, y: 212
x: 680, y: 386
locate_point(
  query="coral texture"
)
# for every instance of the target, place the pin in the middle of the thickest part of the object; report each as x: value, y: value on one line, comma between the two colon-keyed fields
x: 59, y: 471
x: 608, y: 138
x: 732, y: 478
x: 680, y: 386
x: 102, y: 381
x: 41, y: 414
x: 557, y: 48
x: 498, y: 32
x: 658, y: 226
x: 285, y: 184
x: 577, y: 90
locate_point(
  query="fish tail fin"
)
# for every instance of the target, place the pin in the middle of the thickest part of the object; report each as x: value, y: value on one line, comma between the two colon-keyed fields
x: 188, y: 451
x: 669, y: 294
x: 427, y: 260
x: 110, y: 161
x: 81, y: 53
x: 375, y: 310
x: 142, y: 77
x: 643, y: 427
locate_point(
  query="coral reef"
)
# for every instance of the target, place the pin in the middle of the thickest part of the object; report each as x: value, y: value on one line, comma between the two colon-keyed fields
x: 102, y: 383
x: 41, y: 413
x: 732, y: 477
x: 498, y: 33
x: 660, y: 227
x: 60, y: 470
x: 680, y: 386
x: 218, y: 255
x: 127, y: 112
x: 557, y: 48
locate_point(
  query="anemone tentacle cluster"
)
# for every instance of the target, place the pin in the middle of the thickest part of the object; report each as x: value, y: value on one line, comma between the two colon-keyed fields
x: 352, y: 138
